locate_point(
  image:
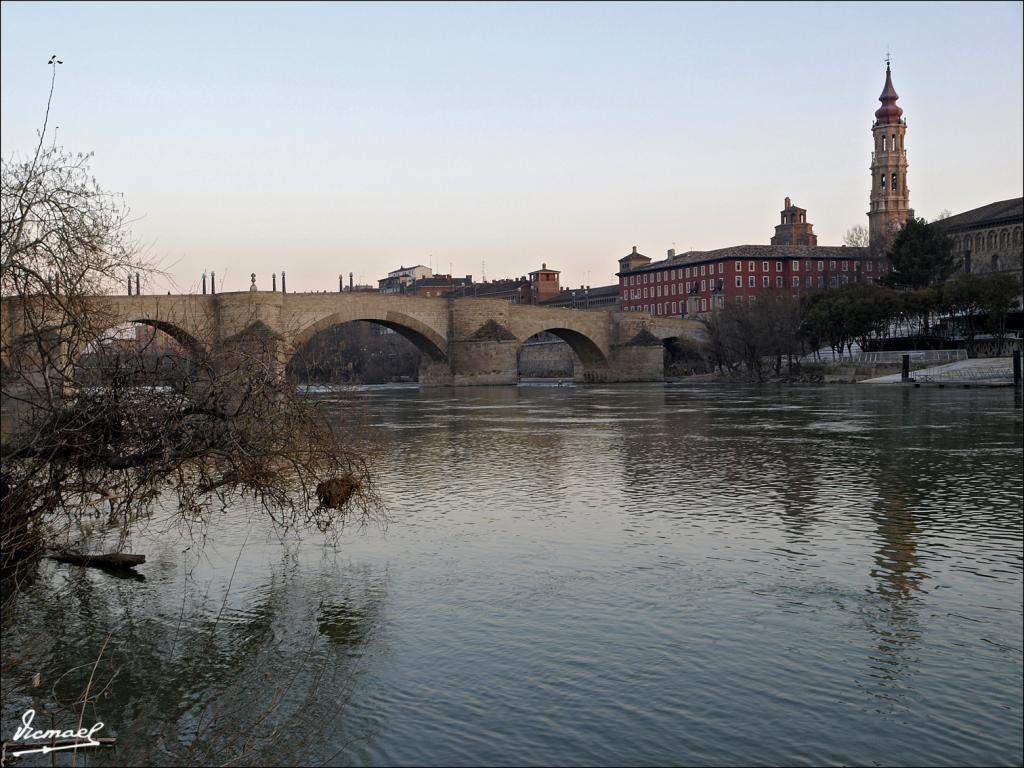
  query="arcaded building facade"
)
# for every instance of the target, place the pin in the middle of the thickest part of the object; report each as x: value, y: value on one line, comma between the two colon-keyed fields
x: 989, y: 238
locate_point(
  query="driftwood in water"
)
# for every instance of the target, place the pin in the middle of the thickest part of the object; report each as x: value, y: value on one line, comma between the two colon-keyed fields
x: 335, y: 493
x: 111, y: 560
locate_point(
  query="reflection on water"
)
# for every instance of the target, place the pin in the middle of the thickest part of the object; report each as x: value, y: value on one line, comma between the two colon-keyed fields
x: 653, y: 574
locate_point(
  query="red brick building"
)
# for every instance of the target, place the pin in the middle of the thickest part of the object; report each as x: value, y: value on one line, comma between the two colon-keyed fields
x: 698, y: 282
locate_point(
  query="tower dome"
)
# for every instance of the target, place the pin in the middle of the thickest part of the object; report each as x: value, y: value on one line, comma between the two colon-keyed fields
x: 888, y: 113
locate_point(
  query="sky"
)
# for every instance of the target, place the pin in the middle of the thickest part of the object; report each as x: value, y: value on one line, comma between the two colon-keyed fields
x: 324, y: 138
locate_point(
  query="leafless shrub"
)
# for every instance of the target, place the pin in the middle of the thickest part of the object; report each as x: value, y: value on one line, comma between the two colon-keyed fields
x: 230, y: 424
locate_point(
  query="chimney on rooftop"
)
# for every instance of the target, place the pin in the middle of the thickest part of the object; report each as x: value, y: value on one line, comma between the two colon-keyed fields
x: 787, y: 203
x: 671, y: 252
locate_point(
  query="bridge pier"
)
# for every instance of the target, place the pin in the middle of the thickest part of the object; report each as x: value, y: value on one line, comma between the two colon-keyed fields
x: 434, y: 374
x: 484, y: 362
x: 637, y: 362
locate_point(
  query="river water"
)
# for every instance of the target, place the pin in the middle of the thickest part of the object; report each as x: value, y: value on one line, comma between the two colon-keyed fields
x: 637, y: 574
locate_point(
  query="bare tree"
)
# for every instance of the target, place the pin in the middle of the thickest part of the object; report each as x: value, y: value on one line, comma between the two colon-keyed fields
x: 232, y: 425
x: 856, y: 237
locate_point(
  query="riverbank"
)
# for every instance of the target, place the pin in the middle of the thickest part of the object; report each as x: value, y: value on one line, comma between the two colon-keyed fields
x: 993, y: 371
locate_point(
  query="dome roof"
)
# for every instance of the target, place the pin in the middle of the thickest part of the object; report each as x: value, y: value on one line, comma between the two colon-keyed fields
x: 888, y: 112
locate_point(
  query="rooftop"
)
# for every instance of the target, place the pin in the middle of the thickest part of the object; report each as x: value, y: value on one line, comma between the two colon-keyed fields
x: 594, y: 293
x: 756, y: 252
x: 1004, y: 210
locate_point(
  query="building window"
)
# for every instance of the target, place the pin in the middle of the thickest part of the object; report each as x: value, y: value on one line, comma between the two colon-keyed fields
x: 703, y: 285
x: 846, y: 279
x: 821, y: 281
x: 883, y: 182
x: 796, y: 265
x: 673, y: 289
x: 832, y: 265
x: 751, y: 281
x: 808, y: 281
x: 674, y: 310
x: 894, y: 182
x: 784, y: 219
x: 703, y: 305
x: 702, y: 270
x: 750, y: 266
x: 739, y: 281
x: 687, y: 271
x: 739, y: 266
x: 870, y: 265
x: 846, y: 265
x: 739, y: 299
x: 803, y: 218
x: 766, y: 281
x: 764, y: 266
x: 821, y: 265
x: 778, y: 281
x: 778, y: 266
x: 884, y: 144
x: 645, y: 293
x: 796, y: 281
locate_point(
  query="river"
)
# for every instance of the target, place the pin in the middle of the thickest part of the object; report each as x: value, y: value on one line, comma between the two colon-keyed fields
x: 639, y: 574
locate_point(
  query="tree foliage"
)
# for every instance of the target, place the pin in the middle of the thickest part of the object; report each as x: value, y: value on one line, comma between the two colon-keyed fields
x: 856, y: 237
x: 754, y: 337
x: 920, y: 255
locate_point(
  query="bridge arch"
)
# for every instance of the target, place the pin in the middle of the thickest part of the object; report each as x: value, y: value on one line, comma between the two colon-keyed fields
x: 176, y: 332
x: 587, y: 351
x: 428, y: 341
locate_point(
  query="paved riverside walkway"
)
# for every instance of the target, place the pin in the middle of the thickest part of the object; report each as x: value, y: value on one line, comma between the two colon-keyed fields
x: 982, y: 371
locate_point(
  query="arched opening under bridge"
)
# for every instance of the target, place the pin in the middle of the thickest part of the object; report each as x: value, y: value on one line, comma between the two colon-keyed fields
x: 139, y: 352
x: 361, y: 351
x: 561, y: 353
x: 682, y: 357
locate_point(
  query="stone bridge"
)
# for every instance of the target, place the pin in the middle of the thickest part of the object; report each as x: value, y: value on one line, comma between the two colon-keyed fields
x: 464, y: 342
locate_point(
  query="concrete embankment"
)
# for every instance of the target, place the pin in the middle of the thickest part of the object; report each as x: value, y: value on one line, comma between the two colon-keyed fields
x: 984, y: 371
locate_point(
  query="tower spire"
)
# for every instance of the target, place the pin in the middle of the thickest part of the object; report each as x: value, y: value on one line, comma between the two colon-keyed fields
x: 888, y: 113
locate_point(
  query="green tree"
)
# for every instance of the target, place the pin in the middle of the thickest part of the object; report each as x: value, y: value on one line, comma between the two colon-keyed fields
x: 920, y: 255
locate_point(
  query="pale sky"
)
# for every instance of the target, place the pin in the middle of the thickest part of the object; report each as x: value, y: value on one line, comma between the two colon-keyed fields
x: 326, y: 138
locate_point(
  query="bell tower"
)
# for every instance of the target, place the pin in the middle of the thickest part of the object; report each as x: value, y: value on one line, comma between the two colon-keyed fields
x: 890, y: 196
